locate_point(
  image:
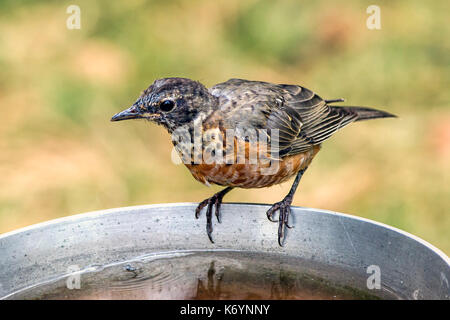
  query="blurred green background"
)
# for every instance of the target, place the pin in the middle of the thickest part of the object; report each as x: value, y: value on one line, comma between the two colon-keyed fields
x: 60, y: 155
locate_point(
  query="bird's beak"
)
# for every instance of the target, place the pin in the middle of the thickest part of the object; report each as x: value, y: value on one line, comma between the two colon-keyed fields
x: 130, y: 113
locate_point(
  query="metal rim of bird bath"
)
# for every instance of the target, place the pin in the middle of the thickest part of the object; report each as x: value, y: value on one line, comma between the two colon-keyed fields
x: 409, y: 266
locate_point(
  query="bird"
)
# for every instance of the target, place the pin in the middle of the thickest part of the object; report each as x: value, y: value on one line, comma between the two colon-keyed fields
x: 213, y: 130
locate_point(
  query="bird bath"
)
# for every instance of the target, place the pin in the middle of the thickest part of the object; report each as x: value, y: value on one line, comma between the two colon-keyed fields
x: 162, y: 252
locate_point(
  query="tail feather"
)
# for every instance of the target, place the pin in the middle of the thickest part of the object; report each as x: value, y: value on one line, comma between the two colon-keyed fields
x: 365, y: 113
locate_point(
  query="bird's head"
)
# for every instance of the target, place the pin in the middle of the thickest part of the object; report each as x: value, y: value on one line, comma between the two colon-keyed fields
x: 171, y: 102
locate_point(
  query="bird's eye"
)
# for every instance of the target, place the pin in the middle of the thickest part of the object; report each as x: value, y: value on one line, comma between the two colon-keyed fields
x: 167, y: 105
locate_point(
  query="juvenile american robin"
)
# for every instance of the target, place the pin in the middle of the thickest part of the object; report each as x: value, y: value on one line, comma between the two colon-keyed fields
x: 293, y: 120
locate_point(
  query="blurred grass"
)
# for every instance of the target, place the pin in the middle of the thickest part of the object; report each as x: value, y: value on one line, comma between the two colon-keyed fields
x: 60, y: 155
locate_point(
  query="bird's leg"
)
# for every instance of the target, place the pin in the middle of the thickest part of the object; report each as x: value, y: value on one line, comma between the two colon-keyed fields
x: 284, y: 206
x: 216, y: 201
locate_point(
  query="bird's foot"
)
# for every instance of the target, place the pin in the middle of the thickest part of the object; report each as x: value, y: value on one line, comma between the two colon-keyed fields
x: 215, y: 201
x: 284, y: 207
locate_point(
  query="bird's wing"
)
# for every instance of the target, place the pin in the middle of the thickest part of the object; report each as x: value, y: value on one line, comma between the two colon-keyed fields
x: 302, y: 118
x: 319, y: 119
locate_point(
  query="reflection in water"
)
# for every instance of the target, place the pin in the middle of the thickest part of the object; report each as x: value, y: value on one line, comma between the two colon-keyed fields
x: 212, y: 288
x: 201, y: 275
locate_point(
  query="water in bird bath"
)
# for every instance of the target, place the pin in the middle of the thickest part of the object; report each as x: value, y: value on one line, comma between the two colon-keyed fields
x: 200, y: 275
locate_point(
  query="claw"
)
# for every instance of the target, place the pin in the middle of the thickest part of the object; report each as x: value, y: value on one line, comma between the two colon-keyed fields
x: 288, y: 213
x: 218, y: 204
x: 200, y: 207
x: 272, y: 210
x: 281, y: 229
x: 284, y: 208
x: 209, y: 228
x: 215, y: 201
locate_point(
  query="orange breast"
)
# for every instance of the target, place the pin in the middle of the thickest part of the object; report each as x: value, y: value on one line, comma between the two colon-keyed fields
x: 246, y: 175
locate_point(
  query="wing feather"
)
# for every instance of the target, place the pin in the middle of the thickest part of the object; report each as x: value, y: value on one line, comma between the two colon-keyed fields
x: 303, y: 119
